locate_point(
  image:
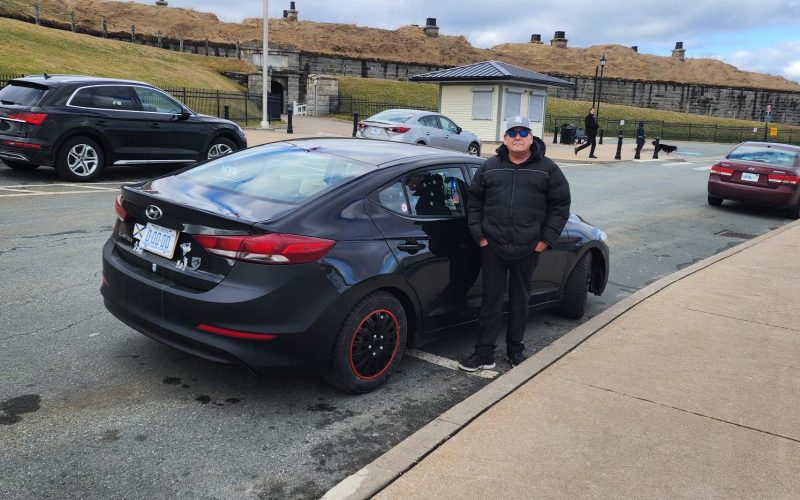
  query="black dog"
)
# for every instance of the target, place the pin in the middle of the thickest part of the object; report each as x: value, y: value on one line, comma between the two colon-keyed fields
x: 665, y: 147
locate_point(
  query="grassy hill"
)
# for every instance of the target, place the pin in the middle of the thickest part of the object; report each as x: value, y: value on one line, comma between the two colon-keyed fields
x: 29, y: 49
x: 405, y: 44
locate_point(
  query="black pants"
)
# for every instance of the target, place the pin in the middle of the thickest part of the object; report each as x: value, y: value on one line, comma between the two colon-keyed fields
x: 590, y: 141
x: 519, y: 272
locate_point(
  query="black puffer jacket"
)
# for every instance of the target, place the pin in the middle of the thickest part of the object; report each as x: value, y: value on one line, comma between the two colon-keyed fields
x: 516, y: 206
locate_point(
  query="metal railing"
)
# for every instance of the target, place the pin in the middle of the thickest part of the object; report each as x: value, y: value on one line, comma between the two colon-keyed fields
x: 345, y: 105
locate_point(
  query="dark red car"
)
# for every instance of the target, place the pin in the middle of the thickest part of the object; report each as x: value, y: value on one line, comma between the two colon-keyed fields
x: 764, y: 173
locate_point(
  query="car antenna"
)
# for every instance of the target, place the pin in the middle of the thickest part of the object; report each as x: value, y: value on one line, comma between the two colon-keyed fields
x: 46, y: 76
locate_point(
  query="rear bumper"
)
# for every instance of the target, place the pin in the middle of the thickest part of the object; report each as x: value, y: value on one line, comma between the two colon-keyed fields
x: 18, y: 152
x: 170, y: 314
x: 783, y: 196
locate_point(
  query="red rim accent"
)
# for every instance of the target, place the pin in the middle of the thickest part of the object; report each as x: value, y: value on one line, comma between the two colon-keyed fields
x: 394, y: 352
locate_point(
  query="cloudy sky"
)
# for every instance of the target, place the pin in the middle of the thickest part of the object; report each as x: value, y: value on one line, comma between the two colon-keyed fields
x: 761, y: 35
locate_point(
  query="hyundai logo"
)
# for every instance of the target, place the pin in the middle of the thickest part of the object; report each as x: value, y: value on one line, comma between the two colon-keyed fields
x: 153, y: 212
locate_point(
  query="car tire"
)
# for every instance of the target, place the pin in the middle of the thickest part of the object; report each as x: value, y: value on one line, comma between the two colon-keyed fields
x: 714, y: 201
x: 20, y: 166
x: 794, y: 212
x: 80, y: 159
x: 474, y: 149
x: 361, y: 364
x: 220, y: 146
x: 573, y: 303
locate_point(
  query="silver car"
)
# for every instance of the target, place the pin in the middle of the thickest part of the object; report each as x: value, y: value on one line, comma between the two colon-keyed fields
x: 419, y: 127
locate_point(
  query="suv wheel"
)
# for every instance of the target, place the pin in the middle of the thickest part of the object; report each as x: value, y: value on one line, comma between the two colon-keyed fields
x: 220, y: 146
x: 80, y: 159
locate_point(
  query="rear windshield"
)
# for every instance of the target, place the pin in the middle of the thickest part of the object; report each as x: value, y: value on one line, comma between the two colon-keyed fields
x: 21, y: 95
x: 288, y: 175
x: 392, y: 115
x: 764, y: 154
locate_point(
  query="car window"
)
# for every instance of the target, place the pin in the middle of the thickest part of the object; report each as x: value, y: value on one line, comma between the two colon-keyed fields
x: 448, y: 125
x: 157, y: 102
x: 116, y: 97
x: 283, y: 174
x: 22, y: 95
x: 429, y: 121
x: 393, y: 115
x: 394, y: 198
x: 764, y: 154
x: 437, y: 191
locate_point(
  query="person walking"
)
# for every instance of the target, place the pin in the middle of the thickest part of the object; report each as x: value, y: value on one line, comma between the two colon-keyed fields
x: 590, y: 128
x: 518, y: 204
x: 640, y: 137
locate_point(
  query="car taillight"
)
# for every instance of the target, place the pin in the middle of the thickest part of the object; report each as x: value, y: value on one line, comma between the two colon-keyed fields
x: 784, y: 179
x: 30, y: 118
x: 25, y: 145
x: 122, y: 215
x: 399, y: 130
x: 719, y: 169
x: 361, y: 125
x: 235, y: 333
x: 274, y: 248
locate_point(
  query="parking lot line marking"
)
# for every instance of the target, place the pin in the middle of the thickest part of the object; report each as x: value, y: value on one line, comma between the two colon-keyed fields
x: 448, y: 363
x: 2, y: 188
x: 674, y: 164
x: 42, y: 193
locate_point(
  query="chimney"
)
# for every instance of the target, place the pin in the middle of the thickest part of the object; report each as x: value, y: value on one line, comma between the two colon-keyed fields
x: 635, y: 48
x: 291, y: 14
x: 679, y: 52
x: 430, y: 28
x: 536, y: 38
x: 161, y: 3
x: 284, y: 13
x: 560, y: 40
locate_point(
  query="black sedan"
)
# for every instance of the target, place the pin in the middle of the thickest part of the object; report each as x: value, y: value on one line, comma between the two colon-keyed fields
x: 331, y: 254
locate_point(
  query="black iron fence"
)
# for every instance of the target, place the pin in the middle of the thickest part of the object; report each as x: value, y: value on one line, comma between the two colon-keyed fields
x: 241, y: 107
x: 345, y: 105
x: 684, y: 131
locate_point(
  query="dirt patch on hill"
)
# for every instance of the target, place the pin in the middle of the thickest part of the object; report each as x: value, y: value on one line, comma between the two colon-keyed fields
x: 406, y: 44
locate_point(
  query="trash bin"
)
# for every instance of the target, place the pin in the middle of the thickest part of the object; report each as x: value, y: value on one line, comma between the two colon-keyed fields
x: 568, y: 131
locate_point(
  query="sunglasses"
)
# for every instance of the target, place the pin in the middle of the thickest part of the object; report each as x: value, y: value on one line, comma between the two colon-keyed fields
x: 522, y: 133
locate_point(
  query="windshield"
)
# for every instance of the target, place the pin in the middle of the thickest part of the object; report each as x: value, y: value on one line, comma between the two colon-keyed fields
x: 764, y: 154
x: 284, y: 174
x: 20, y: 95
x: 392, y: 115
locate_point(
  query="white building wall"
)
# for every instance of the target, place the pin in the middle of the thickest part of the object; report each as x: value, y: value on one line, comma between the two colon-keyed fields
x: 455, y: 101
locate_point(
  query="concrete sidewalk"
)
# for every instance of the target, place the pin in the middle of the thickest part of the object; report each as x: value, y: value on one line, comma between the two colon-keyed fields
x: 688, y: 388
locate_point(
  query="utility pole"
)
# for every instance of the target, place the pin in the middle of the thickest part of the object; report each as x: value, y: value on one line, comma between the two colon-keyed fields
x: 265, y: 70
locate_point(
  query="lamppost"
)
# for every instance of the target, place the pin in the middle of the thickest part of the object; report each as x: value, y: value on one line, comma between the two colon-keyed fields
x: 265, y: 70
x: 600, y: 94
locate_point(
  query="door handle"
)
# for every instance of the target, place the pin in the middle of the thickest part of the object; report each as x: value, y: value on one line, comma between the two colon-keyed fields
x: 101, y: 123
x: 155, y: 125
x: 411, y: 246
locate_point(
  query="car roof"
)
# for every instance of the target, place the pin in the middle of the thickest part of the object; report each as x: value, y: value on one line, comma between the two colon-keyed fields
x: 374, y: 152
x: 59, y: 80
x: 780, y: 145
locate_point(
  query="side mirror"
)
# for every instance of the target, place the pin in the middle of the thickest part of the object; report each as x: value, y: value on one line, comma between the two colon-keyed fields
x: 458, y: 129
x: 183, y: 115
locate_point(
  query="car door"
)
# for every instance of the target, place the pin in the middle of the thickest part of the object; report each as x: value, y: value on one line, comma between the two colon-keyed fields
x: 422, y: 216
x: 452, y: 138
x: 432, y: 131
x: 549, y: 273
x: 175, y: 133
x: 112, y: 110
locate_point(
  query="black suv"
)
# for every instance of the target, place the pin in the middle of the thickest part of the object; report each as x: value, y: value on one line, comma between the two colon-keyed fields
x: 81, y: 124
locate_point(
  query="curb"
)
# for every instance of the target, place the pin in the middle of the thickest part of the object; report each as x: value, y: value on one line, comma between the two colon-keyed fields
x: 384, y: 470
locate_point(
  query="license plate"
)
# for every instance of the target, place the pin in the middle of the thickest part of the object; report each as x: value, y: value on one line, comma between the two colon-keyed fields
x: 375, y: 131
x: 749, y: 177
x: 157, y: 239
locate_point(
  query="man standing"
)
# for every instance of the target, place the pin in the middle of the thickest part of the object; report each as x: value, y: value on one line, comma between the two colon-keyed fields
x: 518, y: 204
x: 590, y: 127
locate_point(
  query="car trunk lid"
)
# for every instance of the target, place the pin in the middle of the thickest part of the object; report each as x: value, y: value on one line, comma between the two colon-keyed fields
x: 752, y: 173
x: 18, y: 115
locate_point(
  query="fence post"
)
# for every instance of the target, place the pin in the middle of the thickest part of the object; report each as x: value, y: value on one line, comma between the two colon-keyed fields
x: 355, y: 122
x: 227, y: 113
x: 655, y: 151
x: 601, y: 136
x: 217, y: 102
x: 246, y: 103
x: 184, y: 95
x: 289, y: 129
x: 37, y: 14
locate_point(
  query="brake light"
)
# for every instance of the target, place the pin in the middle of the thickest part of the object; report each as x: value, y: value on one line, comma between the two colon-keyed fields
x: 720, y: 170
x: 784, y: 179
x: 30, y: 118
x: 24, y: 145
x: 399, y: 130
x: 273, y: 248
x: 235, y: 333
x: 361, y: 125
x: 122, y: 215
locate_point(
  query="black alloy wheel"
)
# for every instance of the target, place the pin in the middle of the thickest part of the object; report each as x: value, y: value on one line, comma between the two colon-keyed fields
x: 370, y: 344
